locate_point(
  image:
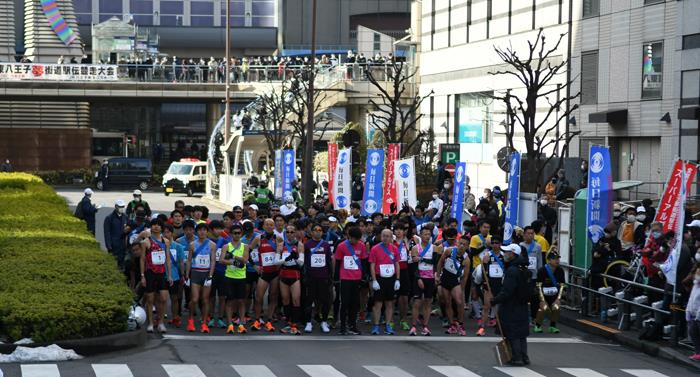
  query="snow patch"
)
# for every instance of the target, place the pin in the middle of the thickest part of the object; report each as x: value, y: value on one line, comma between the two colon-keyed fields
x: 50, y: 353
x: 24, y: 341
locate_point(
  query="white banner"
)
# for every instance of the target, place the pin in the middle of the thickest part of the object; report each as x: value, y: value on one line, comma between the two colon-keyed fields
x: 57, y: 72
x: 342, y: 187
x: 405, y: 176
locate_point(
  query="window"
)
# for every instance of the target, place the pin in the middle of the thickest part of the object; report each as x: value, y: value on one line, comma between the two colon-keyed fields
x: 171, y: 7
x: 141, y: 6
x: 691, y: 41
x: 205, y: 8
x: 469, y: 17
x: 201, y: 21
x: 589, y: 78
x: 652, y: 69
x: 264, y: 21
x: 649, y: 2
x: 263, y: 8
x: 489, y: 17
x: 690, y: 83
x: 591, y: 8
x: 82, y: 6
x: 377, y: 43
x: 432, y: 25
x: 110, y: 6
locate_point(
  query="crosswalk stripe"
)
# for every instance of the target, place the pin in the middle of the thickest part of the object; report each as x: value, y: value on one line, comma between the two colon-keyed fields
x: 183, y: 370
x: 387, y: 371
x: 643, y: 373
x: 582, y: 372
x: 40, y: 370
x: 111, y: 370
x: 452, y: 371
x: 253, y: 371
x: 519, y: 372
x: 321, y: 371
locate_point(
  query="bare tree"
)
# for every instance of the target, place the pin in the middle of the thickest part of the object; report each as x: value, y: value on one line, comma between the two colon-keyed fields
x: 397, y: 112
x: 273, y: 108
x: 536, y: 72
x: 299, y: 106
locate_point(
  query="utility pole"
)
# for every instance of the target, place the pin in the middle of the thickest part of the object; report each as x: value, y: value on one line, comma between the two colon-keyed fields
x: 308, y: 178
x: 227, y: 101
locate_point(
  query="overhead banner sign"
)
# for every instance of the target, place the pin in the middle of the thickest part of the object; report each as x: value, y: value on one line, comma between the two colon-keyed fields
x: 332, y: 160
x: 343, y: 180
x: 394, y: 151
x: 278, y: 174
x: 57, y: 72
x: 458, y: 193
x: 374, y: 179
x: 599, y: 199
x: 405, y: 175
x: 513, y: 198
x: 57, y: 22
x: 667, y: 212
x: 288, y: 160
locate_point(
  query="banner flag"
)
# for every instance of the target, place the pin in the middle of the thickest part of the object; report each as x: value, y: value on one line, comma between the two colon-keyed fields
x: 405, y: 175
x: 343, y: 180
x: 458, y: 194
x: 513, y: 198
x: 374, y: 179
x: 394, y: 151
x: 288, y: 172
x: 332, y: 160
x: 278, y: 174
x: 599, y: 200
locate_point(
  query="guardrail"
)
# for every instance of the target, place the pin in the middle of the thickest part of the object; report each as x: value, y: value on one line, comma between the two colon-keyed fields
x: 629, y: 307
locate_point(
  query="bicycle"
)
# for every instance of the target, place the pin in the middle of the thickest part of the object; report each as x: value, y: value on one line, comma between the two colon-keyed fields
x: 633, y: 271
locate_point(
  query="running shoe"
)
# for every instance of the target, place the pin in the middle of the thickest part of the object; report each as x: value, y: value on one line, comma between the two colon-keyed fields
x: 149, y: 329
x: 479, y: 322
x: 413, y: 331
x: 553, y: 330
x: 343, y: 332
x: 230, y: 329
x: 242, y: 329
x: 405, y: 326
x: 445, y: 323
x: 695, y: 357
x: 363, y: 316
x: 537, y: 329
x: 388, y: 329
x: 375, y: 330
x: 481, y: 331
x: 221, y: 323
x: 269, y: 327
x: 451, y: 330
x: 492, y: 322
x: 190, y: 325
x: 204, y: 328
x: 212, y: 322
x: 256, y: 325
x: 426, y: 331
x: 462, y: 331
x: 163, y: 330
x: 309, y: 328
x: 354, y: 331
x: 325, y: 328
x: 176, y: 322
x: 295, y: 330
x: 286, y: 329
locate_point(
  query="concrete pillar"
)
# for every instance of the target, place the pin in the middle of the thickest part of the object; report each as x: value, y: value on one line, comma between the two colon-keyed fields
x: 214, y: 112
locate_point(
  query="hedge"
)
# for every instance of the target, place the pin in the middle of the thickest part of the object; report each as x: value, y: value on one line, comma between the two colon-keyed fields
x: 55, y: 282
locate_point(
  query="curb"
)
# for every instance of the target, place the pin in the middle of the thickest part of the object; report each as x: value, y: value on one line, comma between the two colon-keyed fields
x: 91, y: 346
x: 650, y: 348
x: 216, y: 203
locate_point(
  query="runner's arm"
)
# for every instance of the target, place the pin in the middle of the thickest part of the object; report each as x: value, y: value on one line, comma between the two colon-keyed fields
x: 212, y: 258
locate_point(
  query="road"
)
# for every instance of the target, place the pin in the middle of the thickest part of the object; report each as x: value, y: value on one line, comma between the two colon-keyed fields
x: 265, y: 355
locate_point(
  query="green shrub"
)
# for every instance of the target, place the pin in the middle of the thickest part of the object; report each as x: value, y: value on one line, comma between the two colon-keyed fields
x: 55, y: 282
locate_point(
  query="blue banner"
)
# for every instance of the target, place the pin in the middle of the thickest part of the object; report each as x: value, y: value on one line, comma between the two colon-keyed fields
x: 374, y: 182
x: 288, y: 164
x: 458, y: 193
x: 513, y: 198
x: 599, y: 199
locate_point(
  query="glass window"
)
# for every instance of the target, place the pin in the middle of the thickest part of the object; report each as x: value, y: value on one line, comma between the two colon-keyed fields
x: 264, y: 21
x: 141, y: 6
x: 142, y: 19
x: 690, y: 96
x: 473, y: 117
x: 171, y: 7
x: 202, y: 21
x: 652, y: 69
x: 691, y: 41
x: 237, y: 8
x: 82, y: 6
x: 84, y: 19
x: 263, y: 8
x: 171, y: 20
x: 591, y: 8
x: 589, y: 78
x: 110, y: 6
x: 202, y: 7
x: 237, y: 21
x: 648, y: 2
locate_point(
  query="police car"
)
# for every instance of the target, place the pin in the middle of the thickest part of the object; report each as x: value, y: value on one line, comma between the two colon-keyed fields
x: 189, y: 176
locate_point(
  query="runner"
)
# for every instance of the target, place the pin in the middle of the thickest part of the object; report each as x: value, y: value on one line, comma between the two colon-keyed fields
x: 492, y: 267
x: 534, y: 256
x: 385, y: 272
x: 351, y: 256
x: 268, y: 271
x: 251, y: 275
x: 235, y: 258
x: 201, y: 261
x: 153, y: 274
x: 477, y: 245
x: 451, y: 267
x: 290, y: 256
x: 317, y: 278
x: 425, y: 255
x: 408, y: 270
x: 218, y: 291
x: 186, y: 240
x: 177, y: 272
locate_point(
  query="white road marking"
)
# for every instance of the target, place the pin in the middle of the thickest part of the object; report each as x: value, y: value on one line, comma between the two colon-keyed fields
x: 112, y: 370
x: 452, y: 371
x: 643, y: 373
x: 253, y: 371
x: 519, y: 372
x: 423, y: 339
x: 40, y: 370
x: 321, y: 371
x: 387, y: 371
x: 183, y: 370
x: 582, y: 372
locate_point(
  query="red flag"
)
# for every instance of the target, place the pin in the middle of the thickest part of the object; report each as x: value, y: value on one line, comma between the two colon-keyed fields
x: 390, y: 183
x: 332, y: 159
x: 667, y: 212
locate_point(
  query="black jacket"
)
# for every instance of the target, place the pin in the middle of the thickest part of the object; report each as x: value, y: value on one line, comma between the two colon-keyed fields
x: 513, y: 309
x: 114, y: 231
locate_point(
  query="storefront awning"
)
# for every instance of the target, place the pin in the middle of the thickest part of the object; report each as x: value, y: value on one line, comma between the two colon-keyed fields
x: 617, y: 117
x: 692, y: 113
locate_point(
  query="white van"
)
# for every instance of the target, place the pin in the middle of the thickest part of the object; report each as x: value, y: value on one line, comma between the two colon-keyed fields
x: 189, y: 176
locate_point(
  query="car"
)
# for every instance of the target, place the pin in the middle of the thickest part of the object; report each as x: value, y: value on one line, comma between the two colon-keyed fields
x: 189, y: 176
x: 126, y: 172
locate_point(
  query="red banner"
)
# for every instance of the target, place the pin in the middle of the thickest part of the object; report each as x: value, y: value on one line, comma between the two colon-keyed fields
x: 332, y: 159
x: 390, y: 183
x: 668, y: 207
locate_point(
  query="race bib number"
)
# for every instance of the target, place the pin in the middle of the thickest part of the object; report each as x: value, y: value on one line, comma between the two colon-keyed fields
x: 318, y: 260
x: 550, y: 291
x: 404, y: 254
x: 532, y: 263
x: 218, y: 255
x: 254, y: 255
x: 349, y: 263
x: 495, y: 271
x: 386, y: 270
x: 203, y: 261
x: 450, y: 266
x: 268, y: 259
x: 425, y: 267
x: 158, y: 258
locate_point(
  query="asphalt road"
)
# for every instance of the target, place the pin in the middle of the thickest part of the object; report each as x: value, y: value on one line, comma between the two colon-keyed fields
x: 265, y: 355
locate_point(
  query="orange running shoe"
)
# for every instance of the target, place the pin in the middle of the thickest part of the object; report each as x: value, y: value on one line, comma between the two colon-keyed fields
x: 242, y: 329
x: 204, y: 328
x: 230, y: 329
x: 269, y: 327
x: 190, y: 325
x: 256, y: 325
x: 481, y: 331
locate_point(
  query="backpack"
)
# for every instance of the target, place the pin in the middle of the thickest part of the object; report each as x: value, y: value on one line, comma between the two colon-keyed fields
x: 79, y: 211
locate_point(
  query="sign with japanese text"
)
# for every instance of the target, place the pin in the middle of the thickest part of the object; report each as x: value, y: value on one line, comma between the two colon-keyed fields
x: 57, y: 72
x: 599, y: 200
x: 405, y: 176
x: 668, y: 213
x: 288, y: 170
x: 374, y: 179
x: 513, y: 198
x: 278, y: 174
x: 458, y: 193
x: 343, y: 180
x: 332, y: 160
x: 394, y: 151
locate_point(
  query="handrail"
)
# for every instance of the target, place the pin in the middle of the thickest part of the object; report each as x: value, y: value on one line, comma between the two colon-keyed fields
x: 630, y: 282
x: 619, y: 299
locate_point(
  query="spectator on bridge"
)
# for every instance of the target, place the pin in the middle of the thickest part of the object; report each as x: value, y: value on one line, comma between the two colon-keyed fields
x: 60, y: 60
x: 6, y: 166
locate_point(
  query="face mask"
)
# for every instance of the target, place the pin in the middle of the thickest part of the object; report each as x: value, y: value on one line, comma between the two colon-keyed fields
x: 446, y: 185
x: 543, y: 202
x: 641, y: 217
x: 435, y: 196
x: 631, y: 218
x: 647, y: 233
x: 616, y: 213
x: 656, y: 234
x: 121, y: 210
x: 697, y: 257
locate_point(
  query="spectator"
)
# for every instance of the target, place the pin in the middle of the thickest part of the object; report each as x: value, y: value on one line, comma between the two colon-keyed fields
x: 6, y: 167
x: 692, y: 310
x: 630, y: 234
x: 550, y: 190
x: 115, y: 231
x: 584, y: 174
x: 654, y: 253
x: 651, y: 211
x: 436, y: 206
x: 562, y: 185
x: 87, y: 210
x: 604, y: 252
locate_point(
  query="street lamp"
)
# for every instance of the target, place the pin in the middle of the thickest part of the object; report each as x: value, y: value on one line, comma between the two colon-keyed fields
x: 309, y: 152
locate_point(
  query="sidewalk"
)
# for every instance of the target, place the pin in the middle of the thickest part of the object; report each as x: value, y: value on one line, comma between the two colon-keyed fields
x: 593, y: 325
